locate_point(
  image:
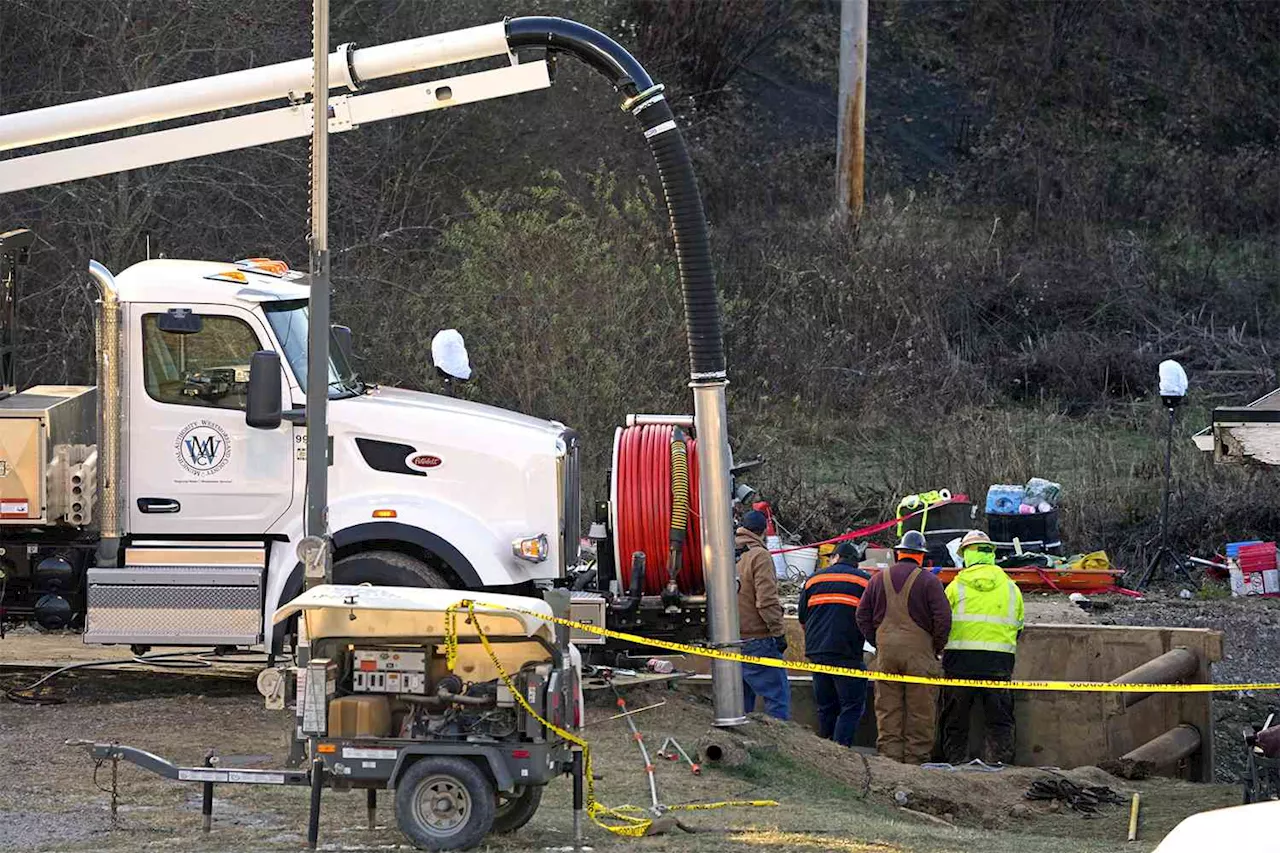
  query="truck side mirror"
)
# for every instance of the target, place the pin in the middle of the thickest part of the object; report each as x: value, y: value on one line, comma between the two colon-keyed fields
x: 263, y: 408
x: 343, y: 338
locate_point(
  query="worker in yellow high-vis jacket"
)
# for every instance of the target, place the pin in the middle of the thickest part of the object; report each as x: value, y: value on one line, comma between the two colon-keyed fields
x: 986, y: 619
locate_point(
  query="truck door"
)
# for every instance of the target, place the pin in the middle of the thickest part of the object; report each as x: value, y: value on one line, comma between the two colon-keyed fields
x: 194, y: 467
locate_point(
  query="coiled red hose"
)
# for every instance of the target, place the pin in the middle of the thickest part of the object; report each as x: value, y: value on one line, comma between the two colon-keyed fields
x: 644, y: 508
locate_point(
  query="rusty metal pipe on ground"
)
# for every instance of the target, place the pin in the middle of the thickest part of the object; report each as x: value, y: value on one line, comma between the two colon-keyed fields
x: 1180, y: 742
x: 1176, y: 665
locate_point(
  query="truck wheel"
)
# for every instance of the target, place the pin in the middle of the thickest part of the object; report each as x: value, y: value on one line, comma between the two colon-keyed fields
x: 444, y: 803
x: 382, y: 568
x: 517, y: 808
x: 387, y: 568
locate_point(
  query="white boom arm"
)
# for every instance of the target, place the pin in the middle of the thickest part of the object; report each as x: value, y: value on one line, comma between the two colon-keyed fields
x: 252, y: 86
x: 261, y: 128
x: 286, y: 80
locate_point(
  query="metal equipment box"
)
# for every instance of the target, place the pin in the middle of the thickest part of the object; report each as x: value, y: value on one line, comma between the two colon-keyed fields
x: 33, y: 425
x: 589, y: 608
x: 179, y: 594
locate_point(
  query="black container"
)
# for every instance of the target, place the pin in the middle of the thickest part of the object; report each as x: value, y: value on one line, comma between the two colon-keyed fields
x: 941, y: 525
x: 1037, y: 532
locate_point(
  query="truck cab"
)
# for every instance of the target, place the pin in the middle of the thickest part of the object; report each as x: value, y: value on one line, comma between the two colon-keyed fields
x: 425, y: 490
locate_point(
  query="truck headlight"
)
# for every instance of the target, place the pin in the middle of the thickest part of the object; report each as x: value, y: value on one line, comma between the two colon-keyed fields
x: 535, y: 549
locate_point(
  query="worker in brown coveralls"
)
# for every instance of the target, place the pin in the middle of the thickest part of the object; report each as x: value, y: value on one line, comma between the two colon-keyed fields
x: 760, y: 620
x: 905, y: 614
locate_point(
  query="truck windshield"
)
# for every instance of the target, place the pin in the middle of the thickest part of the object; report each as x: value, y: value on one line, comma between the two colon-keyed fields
x: 289, y: 320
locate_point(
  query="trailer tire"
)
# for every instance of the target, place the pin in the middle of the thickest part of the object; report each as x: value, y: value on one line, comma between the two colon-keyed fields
x: 515, y: 810
x: 445, y: 803
x: 388, y: 568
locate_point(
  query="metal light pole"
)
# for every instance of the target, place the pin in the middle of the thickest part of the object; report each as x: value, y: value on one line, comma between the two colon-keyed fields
x: 317, y: 513
x: 1173, y: 387
x: 853, y: 103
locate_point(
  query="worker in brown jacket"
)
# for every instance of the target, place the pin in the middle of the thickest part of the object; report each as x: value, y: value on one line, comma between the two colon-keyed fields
x: 760, y: 619
x: 905, y: 614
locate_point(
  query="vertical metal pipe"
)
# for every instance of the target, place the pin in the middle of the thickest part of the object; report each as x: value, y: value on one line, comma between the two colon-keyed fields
x: 110, y: 416
x: 313, y: 814
x: 115, y: 789
x: 1168, y: 484
x: 371, y: 807
x: 853, y: 96
x: 710, y: 417
x: 206, y: 804
x: 578, y: 797
x: 318, y: 338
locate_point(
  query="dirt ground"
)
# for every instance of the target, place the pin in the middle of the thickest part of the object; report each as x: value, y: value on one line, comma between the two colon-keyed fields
x: 51, y: 798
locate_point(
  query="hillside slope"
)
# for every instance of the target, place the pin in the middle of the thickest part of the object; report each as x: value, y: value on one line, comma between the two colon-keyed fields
x: 1061, y: 194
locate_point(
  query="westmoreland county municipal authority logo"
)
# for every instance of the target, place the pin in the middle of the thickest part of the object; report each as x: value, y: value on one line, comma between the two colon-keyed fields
x: 203, y: 448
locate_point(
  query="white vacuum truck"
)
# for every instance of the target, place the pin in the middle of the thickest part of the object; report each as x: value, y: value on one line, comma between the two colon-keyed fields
x: 427, y: 490
x: 166, y: 502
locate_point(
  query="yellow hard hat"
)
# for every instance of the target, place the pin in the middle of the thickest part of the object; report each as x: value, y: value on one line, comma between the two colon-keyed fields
x: 974, y: 537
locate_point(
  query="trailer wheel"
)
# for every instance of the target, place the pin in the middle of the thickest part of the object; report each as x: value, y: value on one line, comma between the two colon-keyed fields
x: 517, y: 808
x: 445, y: 803
x: 388, y: 568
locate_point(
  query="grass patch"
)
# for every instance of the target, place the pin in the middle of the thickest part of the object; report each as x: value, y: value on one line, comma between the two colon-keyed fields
x: 780, y: 771
x: 811, y: 841
x: 1212, y: 590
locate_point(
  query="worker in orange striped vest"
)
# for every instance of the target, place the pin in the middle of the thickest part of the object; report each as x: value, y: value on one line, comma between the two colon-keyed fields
x: 828, y: 609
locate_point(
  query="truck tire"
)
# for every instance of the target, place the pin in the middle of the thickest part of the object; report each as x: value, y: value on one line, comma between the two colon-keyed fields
x: 445, y: 803
x: 387, y: 568
x: 516, y: 809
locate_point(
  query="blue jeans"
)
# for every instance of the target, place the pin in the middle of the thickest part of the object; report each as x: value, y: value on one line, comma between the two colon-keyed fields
x: 770, y: 683
x: 840, y: 700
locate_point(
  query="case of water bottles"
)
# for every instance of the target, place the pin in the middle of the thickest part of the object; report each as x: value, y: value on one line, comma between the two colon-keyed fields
x: 1038, y: 495
x: 1004, y: 500
x: 1026, y: 513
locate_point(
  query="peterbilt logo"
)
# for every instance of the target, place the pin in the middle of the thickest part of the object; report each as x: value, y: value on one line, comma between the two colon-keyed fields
x: 203, y: 448
x: 422, y: 461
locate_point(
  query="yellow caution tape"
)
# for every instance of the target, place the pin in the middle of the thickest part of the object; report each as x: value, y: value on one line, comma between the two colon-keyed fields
x: 630, y: 826
x: 828, y: 669
x: 451, y: 634
x: 699, y: 807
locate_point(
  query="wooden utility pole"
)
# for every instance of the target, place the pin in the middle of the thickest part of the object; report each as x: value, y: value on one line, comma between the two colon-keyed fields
x: 853, y: 96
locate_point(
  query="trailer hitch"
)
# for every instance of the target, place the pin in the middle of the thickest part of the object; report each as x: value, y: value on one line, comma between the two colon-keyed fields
x: 209, y: 772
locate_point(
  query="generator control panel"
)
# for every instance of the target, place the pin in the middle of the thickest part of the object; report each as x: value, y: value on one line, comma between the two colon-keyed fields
x: 390, y: 670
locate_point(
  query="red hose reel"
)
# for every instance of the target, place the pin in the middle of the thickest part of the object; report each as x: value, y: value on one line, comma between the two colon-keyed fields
x: 642, y: 506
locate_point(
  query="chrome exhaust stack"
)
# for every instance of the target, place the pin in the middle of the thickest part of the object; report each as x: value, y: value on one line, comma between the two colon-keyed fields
x: 110, y: 416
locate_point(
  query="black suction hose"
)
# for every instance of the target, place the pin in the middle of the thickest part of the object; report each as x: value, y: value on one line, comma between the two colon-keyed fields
x: 645, y: 101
